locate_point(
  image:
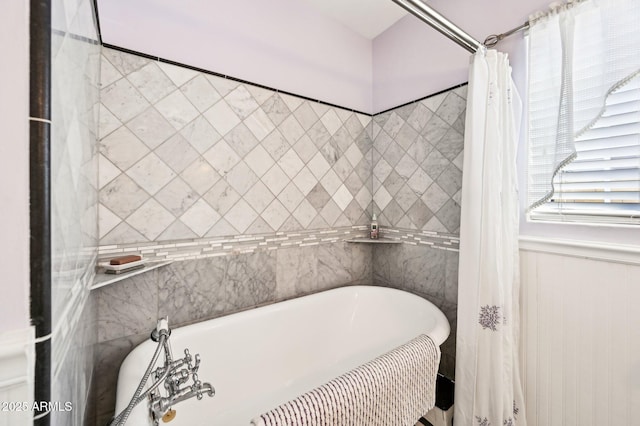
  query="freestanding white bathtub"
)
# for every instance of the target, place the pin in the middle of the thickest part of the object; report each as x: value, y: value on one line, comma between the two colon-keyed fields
x: 260, y: 358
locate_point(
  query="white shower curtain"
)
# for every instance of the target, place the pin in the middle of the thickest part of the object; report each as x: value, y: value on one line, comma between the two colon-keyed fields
x: 488, y: 386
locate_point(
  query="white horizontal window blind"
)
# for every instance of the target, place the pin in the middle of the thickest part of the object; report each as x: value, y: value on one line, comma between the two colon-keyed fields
x: 602, y: 184
x: 584, y: 113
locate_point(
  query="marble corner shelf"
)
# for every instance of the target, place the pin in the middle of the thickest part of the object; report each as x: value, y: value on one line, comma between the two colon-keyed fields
x: 102, y: 279
x: 381, y: 240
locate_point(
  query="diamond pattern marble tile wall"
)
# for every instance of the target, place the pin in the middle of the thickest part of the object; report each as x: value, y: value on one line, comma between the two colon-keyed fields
x: 185, y: 154
x: 417, y: 157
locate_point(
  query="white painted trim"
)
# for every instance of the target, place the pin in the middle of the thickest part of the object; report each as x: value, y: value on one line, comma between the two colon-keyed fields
x: 607, y: 252
x: 16, y: 358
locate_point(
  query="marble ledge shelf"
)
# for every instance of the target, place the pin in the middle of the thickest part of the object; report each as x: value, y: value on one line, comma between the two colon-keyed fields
x: 381, y: 240
x: 103, y: 279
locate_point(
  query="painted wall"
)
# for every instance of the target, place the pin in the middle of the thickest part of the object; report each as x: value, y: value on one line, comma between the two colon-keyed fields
x: 14, y: 165
x: 283, y: 44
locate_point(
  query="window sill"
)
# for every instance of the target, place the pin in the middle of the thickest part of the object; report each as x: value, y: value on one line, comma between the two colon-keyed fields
x: 607, y: 252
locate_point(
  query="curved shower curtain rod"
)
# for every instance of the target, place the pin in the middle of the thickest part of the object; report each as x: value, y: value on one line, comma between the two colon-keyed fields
x: 449, y: 29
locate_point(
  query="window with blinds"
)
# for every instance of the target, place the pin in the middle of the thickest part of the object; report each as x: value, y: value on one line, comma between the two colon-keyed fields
x: 602, y: 184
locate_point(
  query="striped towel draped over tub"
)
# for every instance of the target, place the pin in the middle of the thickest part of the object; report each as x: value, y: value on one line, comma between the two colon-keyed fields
x: 395, y: 389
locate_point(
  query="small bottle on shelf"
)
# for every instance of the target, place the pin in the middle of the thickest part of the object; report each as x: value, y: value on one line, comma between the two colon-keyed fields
x: 374, y: 228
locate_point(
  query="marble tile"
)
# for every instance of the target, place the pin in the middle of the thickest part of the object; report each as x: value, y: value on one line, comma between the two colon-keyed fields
x: 177, y: 110
x: 259, y: 124
x: 331, y: 121
x: 435, y: 164
x: 221, y: 117
x: 305, y: 115
x: 342, y: 263
x: 177, y: 231
x: 290, y: 163
x: 305, y: 148
x: 419, y: 117
x: 106, y: 220
x: 406, y: 136
x: 304, y: 213
x: 151, y: 82
x: 290, y: 197
x: 342, y: 197
x: 200, y: 217
x: 393, y: 213
x: 435, y: 129
x: 451, y: 144
x: 122, y: 196
x: 291, y: 129
x: 450, y: 180
x: 353, y: 183
x: 200, y: 93
x: 259, y: 160
x: 393, y: 125
x: 275, y: 179
x: 420, y: 149
x: 107, y: 122
x: 259, y: 197
x: 151, y: 173
x: 122, y: 234
x: 122, y: 148
x: 150, y: 219
x: 179, y: 75
x: 296, y: 272
x: 434, y: 197
x: 109, y: 356
x: 449, y: 216
x: 123, y: 100
x: 451, y: 108
x: 200, y: 134
x: 406, y: 167
x: 106, y: 171
x: 177, y: 153
x: 189, y: 291
x: 419, y: 214
x: 276, y: 109
x: 223, y: 85
x: 241, y: 178
x: 222, y: 157
x: 276, y: 144
x: 393, y: 154
x: 241, y: 102
x: 151, y: 128
x: 331, y: 182
x: 451, y: 277
x: 423, y: 270
x: 221, y: 197
x: 127, y: 308
x: 318, y: 165
x: 108, y: 73
x: 275, y: 214
x: 241, y: 139
x: 305, y: 181
x: 241, y: 216
x: 177, y: 196
x: 123, y: 62
x: 433, y: 102
x: 419, y: 182
x: 200, y: 176
x: 382, y: 198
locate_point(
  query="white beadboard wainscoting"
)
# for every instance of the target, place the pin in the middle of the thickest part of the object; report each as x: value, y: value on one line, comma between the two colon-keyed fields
x: 581, y: 334
x: 16, y: 376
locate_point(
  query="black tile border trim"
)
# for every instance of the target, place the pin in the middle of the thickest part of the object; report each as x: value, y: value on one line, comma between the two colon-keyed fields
x: 422, y: 99
x: 228, y: 77
x: 239, y: 80
x: 40, y: 197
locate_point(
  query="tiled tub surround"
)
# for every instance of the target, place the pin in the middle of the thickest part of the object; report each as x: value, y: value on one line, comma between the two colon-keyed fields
x: 194, y: 290
x: 185, y: 154
x: 417, y: 163
x: 254, y: 191
x: 75, y: 74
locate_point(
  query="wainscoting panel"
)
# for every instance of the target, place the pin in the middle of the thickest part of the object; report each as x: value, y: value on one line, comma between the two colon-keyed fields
x: 581, y: 340
x: 16, y: 376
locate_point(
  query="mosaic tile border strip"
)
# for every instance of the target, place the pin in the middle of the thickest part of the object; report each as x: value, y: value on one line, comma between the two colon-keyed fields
x: 230, y: 245
x: 242, y: 244
x: 437, y: 240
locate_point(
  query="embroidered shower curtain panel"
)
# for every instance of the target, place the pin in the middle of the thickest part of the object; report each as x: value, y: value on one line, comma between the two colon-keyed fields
x: 488, y: 385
